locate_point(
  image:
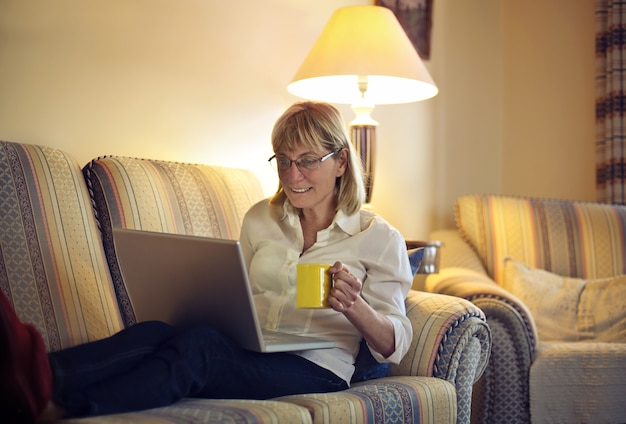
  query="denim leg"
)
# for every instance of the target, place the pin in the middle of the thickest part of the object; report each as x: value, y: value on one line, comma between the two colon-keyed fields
x: 201, y: 363
x: 79, y: 367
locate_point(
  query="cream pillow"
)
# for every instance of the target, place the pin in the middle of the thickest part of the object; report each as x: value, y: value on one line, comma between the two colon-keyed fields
x: 570, y: 309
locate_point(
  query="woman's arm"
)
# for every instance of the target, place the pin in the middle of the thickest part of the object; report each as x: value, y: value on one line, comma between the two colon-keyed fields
x: 345, y: 297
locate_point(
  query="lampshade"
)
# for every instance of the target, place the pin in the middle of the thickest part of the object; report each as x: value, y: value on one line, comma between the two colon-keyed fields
x: 363, y: 54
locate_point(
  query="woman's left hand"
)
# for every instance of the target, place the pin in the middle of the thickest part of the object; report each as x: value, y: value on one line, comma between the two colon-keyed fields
x: 345, y: 297
x: 346, y: 289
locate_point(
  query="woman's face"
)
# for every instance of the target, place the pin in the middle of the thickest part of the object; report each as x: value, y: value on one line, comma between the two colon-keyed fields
x: 311, y: 189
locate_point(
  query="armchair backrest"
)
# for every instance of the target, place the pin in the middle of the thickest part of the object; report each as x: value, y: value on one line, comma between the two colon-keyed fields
x: 52, y: 264
x: 169, y: 197
x: 569, y: 238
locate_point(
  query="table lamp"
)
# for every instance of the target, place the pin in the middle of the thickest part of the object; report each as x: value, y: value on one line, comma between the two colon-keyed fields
x: 363, y: 58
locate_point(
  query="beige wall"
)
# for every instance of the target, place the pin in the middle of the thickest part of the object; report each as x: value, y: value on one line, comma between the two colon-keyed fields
x: 516, y: 110
x: 549, y: 98
x: 467, y: 57
x: 203, y: 81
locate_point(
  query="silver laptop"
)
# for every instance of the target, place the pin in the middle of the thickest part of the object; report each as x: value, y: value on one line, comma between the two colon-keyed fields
x: 187, y: 281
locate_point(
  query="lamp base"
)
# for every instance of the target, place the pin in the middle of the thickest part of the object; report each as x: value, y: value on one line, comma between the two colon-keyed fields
x: 364, y: 141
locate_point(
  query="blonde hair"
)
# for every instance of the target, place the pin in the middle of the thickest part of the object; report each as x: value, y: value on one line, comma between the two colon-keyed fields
x: 320, y: 126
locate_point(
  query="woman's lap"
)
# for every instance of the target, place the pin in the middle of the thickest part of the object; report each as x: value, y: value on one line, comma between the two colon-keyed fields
x: 152, y: 364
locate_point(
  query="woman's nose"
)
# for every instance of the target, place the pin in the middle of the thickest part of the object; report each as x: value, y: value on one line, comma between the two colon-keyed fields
x: 293, y: 172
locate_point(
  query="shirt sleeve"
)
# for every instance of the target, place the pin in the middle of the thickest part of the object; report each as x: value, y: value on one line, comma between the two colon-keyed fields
x: 385, y: 288
x: 244, y: 240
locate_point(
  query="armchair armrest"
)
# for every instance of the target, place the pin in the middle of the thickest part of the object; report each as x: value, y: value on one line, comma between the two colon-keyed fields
x: 503, y: 391
x: 496, y: 302
x: 451, y: 341
x: 463, y: 275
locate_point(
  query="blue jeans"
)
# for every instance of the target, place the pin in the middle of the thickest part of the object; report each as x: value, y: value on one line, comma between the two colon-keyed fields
x: 153, y: 364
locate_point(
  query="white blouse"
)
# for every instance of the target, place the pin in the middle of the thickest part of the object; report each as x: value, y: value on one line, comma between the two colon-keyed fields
x: 374, y: 251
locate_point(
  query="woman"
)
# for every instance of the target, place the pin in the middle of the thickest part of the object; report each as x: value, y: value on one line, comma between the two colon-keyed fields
x: 315, y: 216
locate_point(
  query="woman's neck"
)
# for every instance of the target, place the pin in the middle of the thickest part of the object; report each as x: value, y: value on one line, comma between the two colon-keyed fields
x: 311, y: 223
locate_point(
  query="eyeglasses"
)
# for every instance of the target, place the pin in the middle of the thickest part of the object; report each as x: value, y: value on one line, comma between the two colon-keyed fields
x: 305, y: 163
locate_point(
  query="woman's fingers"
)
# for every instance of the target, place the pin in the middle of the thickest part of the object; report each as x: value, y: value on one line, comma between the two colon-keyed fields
x: 346, y: 288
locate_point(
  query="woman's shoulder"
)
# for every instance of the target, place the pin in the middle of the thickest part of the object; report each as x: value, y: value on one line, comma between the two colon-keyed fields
x: 263, y: 210
x: 260, y: 205
x: 369, y: 217
x: 373, y: 221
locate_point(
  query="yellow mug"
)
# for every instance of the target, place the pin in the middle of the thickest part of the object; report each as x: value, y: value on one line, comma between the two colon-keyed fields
x: 313, y: 284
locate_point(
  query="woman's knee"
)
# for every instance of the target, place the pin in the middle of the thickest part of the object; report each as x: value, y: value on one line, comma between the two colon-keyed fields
x: 151, y: 330
x: 205, y: 334
x: 156, y: 326
x: 201, y: 350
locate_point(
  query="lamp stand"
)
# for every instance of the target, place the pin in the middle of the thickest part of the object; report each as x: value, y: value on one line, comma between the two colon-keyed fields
x: 363, y: 134
x: 364, y: 141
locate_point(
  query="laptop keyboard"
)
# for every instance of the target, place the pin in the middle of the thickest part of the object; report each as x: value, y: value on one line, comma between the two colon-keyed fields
x: 275, y: 337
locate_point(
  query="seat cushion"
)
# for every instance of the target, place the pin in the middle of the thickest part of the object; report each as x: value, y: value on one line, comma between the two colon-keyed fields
x: 390, y: 399
x: 574, y: 239
x: 52, y: 265
x: 578, y: 383
x: 211, y: 411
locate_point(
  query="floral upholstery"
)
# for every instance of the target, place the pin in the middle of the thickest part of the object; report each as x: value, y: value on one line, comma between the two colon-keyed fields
x: 557, y: 242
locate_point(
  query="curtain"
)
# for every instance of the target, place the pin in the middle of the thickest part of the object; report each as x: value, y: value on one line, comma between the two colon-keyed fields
x: 610, y: 102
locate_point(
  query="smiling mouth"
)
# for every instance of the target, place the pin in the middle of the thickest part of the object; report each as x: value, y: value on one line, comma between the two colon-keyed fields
x: 300, y: 190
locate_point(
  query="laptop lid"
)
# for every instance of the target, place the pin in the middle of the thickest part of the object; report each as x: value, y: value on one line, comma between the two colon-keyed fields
x: 188, y: 280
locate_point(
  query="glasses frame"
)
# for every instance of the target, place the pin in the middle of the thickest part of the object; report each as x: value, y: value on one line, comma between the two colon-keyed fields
x: 297, y: 162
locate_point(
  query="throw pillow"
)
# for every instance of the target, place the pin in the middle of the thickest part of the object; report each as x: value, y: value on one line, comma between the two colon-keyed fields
x: 570, y: 309
x: 415, y: 258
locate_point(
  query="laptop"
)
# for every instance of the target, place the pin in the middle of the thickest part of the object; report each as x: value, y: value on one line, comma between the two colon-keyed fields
x: 187, y: 281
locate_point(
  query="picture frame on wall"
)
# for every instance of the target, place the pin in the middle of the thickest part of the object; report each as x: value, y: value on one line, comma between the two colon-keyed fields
x: 415, y: 16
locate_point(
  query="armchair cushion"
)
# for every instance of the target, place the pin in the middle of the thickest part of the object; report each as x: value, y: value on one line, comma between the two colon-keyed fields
x: 190, y: 410
x: 578, y: 383
x: 415, y: 400
x: 572, y: 304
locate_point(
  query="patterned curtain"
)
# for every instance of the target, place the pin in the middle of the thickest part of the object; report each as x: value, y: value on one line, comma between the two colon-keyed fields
x: 610, y: 101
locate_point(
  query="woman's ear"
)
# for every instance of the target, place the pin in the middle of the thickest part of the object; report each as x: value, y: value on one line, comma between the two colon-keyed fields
x: 342, y: 162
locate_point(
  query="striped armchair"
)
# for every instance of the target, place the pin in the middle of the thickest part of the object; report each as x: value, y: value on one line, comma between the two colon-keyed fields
x: 59, y: 271
x: 549, y: 276
x: 450, y: 345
